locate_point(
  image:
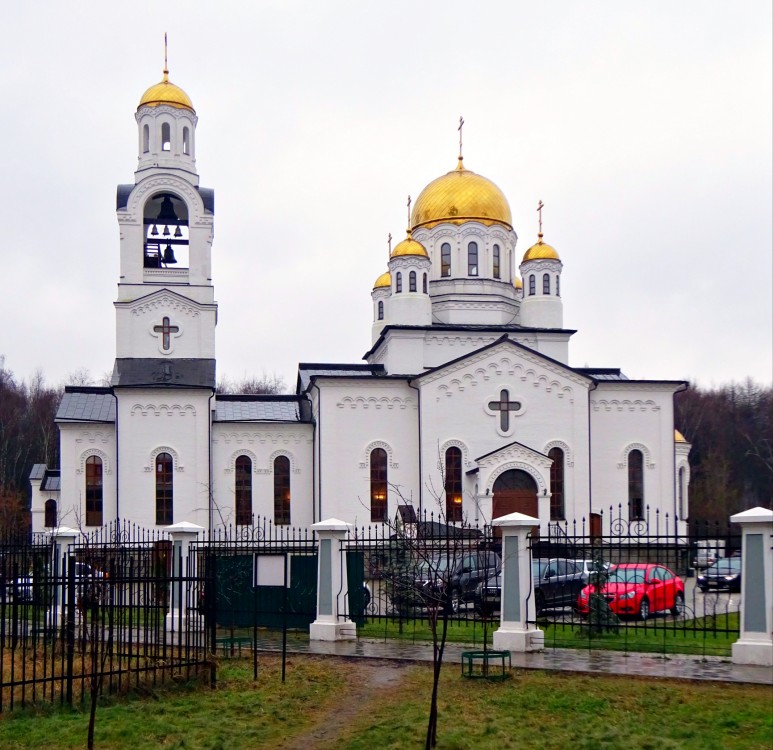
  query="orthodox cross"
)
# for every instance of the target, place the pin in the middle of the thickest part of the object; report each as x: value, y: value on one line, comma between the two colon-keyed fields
x: 504, y: 406
x: 461, y: 123
x: 166, y: 331
x: 539, y: 211
x: 409, y: 213
x: 166, y: 67
x: 389, y: 244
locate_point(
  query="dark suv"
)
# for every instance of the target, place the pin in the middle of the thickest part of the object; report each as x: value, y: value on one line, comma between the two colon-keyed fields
x: 556, y: 583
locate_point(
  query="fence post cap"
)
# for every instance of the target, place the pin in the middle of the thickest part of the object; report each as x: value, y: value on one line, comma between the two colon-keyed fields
x: 753, y: 515
x: 331, y: 524
x: 515, y: 519
x: 184, y: 526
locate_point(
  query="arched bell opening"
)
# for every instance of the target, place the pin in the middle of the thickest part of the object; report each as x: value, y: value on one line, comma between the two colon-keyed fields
x: 166, y: 232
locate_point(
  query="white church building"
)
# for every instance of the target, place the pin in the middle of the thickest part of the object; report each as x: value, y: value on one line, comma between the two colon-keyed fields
x: 465, y: 406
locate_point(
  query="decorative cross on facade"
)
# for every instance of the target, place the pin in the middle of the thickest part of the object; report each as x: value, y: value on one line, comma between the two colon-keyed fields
x: 166, y: 332
x: 504, y: 406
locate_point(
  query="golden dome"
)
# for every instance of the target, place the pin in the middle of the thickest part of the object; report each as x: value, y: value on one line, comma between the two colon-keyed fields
x: 461, y: 196
x: 678, y: 437
x: 409, y: 246
x: 166, y: 92
x: 518, y: 284
x: 384, y: 280
x: 539, y: 251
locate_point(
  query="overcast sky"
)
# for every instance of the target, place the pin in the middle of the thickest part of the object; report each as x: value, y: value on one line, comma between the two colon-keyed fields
x: 644, y: 127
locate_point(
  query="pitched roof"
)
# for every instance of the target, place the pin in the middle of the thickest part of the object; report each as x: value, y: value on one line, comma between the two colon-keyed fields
x: 81, y: 404
x: 258, y: 408
x: 309, y: 370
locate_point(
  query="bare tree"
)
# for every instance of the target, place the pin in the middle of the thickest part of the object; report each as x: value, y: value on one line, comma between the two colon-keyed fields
x: 266, y: 384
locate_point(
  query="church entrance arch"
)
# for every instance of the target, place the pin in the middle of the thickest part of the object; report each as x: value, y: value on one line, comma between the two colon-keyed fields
x: 515, y: 491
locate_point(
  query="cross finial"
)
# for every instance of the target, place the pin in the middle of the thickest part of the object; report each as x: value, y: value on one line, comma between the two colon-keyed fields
x: 539, y: 211
x: 409, y: 213
x: 461, y: 125
x: 166, y: 66
x: 389, y: 244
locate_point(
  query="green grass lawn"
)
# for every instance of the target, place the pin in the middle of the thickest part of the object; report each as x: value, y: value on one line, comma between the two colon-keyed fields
x: 364, y: 704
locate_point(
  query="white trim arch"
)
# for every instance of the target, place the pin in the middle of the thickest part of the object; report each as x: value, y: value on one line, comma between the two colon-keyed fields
x: 289, y: 456
x: 568, y: 453
x: 534, y: 473
x: 106, y: 470
x: 634, y: 447
x: 365, y: 463
x: 454, y: 443
x: 231, y: 468
x: 165, y: 449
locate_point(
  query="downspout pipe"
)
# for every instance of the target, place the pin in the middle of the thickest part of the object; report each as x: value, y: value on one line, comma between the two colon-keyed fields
x: 317, y: 464
x: 210, y: 489
x: 117, y: 452
x: 421, y: 453
x: 593, y: 387
x: 684, y: 386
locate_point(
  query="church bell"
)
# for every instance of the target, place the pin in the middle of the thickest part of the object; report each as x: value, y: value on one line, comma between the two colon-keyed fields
x: 168, y: 256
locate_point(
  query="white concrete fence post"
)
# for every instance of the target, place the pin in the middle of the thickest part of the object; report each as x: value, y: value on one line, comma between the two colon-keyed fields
x: 331, y: 623
x: 62, y: 539
x: 515, y: 633
x: 180, y: 619
x: 755, y: 646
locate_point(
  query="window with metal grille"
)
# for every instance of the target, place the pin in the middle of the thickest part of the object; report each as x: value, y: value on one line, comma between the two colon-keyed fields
x: 453, y: 485
x: 472, y: 259
x: 378, y: 485
x: 243, y: 490
x: 557, y: 512
x: 281, y: 491
x: 164, y: 490
x: 635, y: 485
x: 93, y: 491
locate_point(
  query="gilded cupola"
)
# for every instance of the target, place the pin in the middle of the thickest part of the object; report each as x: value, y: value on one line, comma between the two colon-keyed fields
x: 165, y: 92
x: 458, y: 197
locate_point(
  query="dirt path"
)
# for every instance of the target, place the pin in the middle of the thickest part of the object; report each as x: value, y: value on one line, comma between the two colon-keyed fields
x: 368, y: 680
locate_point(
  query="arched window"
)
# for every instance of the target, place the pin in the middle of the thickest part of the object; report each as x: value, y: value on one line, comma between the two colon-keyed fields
x: 186, y: 140
x: 497, y: 266
x: 381, y: 309
x: 50, y: 517
x: 281, y: 491
x: 145, y: 139
x: 424, y: 283
x: 93, y: 491
x: 243, y: 490
x: 453, y: 485
x: 558, y: 286
x: 412, y: 281
x: 164, y: 490
x: 378, y: 485
x: 398, y: 282
x: 635, y: 485
x: 472, y: 259
x: 557, y: 512
x: 166, y: 137
x: 445, y: 259
x: 546, y: 283
x: 680, y: 493
x: 532, y: 284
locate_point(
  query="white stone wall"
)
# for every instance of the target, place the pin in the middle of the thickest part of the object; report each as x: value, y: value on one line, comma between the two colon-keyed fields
x: 262, y: 444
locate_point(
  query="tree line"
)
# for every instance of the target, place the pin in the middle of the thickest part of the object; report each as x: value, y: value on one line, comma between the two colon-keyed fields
x: 730, y: 428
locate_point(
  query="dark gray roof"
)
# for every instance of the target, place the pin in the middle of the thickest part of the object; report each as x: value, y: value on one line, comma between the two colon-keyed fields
x: 86, y: 405
x: 161, y: 373
x: 601, y: 373
x: 257, y: 409
x: 307, y: 370
x: 124, y: 191
x: 38, y: 471
x: 52, y: 482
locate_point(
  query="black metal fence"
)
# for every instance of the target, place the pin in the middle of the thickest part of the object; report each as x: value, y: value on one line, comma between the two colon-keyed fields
x: 96, y: 616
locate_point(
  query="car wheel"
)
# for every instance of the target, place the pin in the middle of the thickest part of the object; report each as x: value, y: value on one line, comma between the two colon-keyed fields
x: 644, y: 609
x: 539, y: 602
x: 703, y: 589
x: 678, y: 609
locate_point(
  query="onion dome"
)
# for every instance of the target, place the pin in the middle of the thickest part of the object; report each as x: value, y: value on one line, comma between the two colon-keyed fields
x: 384, y: 280
x: 540, y: 250
x: 460, y: 196
x: 166, y: 92
x: 518, y: 284
x: 678, y: 437
x: 409, y: 246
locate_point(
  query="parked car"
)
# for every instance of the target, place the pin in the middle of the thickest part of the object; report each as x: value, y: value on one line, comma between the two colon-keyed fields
x: 723, y: 574
x: 586, y: 568
x: 704, y: 559
x: 639, y: 589
x: 442, y: 580
x: 556, y: 583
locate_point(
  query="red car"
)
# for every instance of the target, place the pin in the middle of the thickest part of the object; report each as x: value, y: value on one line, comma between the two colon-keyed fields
x: 639, y: 589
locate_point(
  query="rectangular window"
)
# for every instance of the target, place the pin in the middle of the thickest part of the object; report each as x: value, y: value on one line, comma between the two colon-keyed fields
x: 497, y: 268
x: 472, y: 259
x: 445, y: 259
